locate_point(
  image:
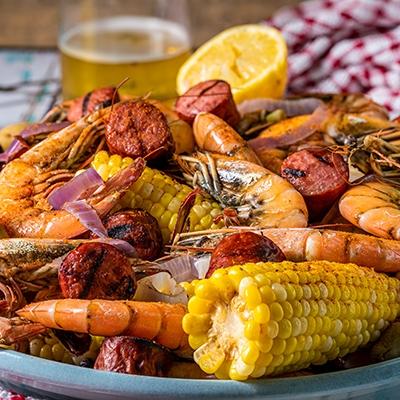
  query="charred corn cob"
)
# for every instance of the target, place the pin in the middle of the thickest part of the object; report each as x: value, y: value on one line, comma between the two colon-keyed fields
x: 270, y: 318
x: 49, y: 347
x: 160, y: 195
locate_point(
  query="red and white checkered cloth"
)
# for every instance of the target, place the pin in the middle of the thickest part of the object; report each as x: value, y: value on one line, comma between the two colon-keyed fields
x: 344, y: 46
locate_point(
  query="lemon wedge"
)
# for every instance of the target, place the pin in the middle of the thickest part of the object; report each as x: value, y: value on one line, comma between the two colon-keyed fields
x: 251, y: 58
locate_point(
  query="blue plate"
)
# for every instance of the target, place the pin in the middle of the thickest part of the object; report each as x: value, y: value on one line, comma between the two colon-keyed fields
x: 53, y: 380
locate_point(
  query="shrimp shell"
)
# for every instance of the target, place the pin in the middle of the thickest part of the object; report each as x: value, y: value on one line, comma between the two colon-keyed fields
x: 374, y: 207
x: 260, y: 197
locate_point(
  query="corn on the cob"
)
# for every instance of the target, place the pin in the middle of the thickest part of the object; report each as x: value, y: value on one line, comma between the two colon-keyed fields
x: 160, y: 195
x: 271, y: 318
x: 49, y: 347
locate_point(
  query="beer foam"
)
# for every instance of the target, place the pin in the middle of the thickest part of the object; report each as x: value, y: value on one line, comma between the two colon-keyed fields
x: 159, y: 32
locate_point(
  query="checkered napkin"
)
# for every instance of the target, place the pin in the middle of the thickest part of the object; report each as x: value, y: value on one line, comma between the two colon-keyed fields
x: 344, y: 46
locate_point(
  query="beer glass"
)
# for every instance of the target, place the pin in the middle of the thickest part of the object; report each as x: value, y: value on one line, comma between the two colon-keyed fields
x: 103, y: 42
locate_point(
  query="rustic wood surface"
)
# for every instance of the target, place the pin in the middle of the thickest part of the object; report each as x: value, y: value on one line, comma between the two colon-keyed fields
x: 33, y: 23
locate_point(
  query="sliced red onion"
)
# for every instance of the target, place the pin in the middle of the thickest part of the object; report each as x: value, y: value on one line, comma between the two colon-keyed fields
x: 16, y: 148
x: 87, y: 216
x: 121, y: 245
x: 83, y: 184
x: 43, y: 127
x: 290, y: 107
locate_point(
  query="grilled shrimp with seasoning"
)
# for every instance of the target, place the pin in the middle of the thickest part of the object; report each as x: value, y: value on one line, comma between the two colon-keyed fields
x: 26, y: 182
x: 260, y: 197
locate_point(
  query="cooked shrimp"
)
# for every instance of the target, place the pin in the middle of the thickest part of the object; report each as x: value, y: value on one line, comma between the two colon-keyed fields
x: 374, y: 207
x: 160, y: 322
x: 260, y: 197
x: 215, y: 135
x: 307, y: 244
x: 26, y: 182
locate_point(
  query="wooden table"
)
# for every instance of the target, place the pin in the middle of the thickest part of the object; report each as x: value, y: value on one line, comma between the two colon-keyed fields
x: 33, y: 23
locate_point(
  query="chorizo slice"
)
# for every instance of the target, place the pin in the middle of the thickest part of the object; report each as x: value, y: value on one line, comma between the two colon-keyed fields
x: 98, y: 98
x: 138, y: 228
x: 320, y: 175
x: 135, y: 356
x: 241, y: 248
x: 96, y: 271
x: 213, y: 96
x: 137, y: 128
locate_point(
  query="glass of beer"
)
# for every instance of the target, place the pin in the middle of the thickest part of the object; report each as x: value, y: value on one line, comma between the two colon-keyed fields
x: 104, y: 42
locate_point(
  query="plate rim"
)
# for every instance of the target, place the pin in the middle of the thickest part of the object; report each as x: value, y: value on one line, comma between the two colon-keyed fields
x: 63, y: 375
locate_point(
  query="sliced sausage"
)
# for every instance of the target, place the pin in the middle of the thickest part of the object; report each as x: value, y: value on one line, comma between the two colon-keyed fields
x: 96, y: 271
x: 129, y: 355
x: 98, y: 98
x: 137, y: 128
x: 139, y: 228
x: 320, y: 175
x: 212, y: 96
x: 244, y: 247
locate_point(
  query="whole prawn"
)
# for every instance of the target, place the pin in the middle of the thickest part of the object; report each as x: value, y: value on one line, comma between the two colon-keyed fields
x: 160, y: 322
x: 26, y: 182
x: 310, y: 244
x: 260, y: 197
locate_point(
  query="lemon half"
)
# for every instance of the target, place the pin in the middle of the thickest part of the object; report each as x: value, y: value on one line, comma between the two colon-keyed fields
x: 252, y: 58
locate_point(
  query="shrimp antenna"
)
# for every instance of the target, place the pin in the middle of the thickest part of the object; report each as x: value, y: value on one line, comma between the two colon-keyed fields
x: 116, y: 91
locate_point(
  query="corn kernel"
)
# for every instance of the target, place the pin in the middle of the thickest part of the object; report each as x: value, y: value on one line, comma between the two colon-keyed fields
x: 278, y: 346
x: 209, y: 357
x: 58, y: 351
x: 285, y: 329
x: 35, y: 346
x: 235, y: 375
x: 261, y: 313
x: 196, y: 341
x: 196, y: 305
x: 267, y: 294
x: 45, y: 352
x: 250, y: 352
x: 252, y: 296
x: 264, y: 343
x: 206, y: 290
x: 196, y: 324
x: 276, y: 311
x: 258, y: 372
x: 252, y: 330
x: 280, y: 292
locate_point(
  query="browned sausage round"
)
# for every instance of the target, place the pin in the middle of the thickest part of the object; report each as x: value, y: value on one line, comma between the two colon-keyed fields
x: 135, y: 356
x: 87, y: 104
x: 241, y: 248
x: 320, y: 175
x: 96, y: 271
x: 139, y: 228
x: 212, y: 96
x: 137, y: 128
